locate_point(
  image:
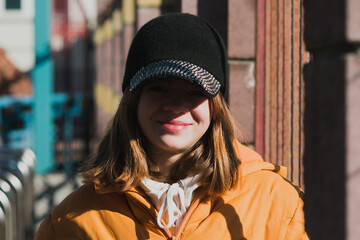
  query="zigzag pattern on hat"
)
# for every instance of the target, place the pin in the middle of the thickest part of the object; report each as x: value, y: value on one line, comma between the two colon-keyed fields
x: 177, y: 68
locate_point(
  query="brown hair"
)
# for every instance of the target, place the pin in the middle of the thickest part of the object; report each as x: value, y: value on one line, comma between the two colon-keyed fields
x: 121, y: 157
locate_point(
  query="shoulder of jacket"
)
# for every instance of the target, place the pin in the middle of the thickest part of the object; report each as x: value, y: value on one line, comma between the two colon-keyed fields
x: 82, y: 200
x: 268, y: 174
x: 272, y: 180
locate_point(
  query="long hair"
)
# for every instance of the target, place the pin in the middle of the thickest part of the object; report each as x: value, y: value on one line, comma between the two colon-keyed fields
x: 121, y: 158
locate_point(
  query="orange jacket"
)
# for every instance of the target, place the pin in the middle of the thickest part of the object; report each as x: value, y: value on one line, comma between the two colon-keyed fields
x: 263, y: 206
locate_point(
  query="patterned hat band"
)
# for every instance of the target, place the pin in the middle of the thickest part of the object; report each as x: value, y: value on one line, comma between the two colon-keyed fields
x: 177, y: 68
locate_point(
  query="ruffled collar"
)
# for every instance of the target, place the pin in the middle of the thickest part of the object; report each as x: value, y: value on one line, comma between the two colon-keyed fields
x: 173, y: 199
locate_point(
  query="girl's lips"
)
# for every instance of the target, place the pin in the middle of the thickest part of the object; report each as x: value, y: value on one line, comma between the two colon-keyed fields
x: 174, y: 125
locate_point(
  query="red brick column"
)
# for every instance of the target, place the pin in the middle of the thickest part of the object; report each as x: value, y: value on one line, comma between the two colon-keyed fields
x: 279, y: 84
x: 332, y: 114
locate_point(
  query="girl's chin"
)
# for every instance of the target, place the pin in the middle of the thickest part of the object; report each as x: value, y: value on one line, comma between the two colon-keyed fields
x: 173, y: 147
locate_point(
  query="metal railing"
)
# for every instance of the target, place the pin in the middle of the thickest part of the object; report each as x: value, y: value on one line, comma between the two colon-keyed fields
x: 17, y: 170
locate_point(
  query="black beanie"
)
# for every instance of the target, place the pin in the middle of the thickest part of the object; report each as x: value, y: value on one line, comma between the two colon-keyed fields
x: 178, y: 45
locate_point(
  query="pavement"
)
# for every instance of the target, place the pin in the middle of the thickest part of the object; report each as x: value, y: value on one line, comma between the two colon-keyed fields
x: 50, y: 189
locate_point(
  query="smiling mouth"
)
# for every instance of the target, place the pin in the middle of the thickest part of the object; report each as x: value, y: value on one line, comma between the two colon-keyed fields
x: 174, y: 126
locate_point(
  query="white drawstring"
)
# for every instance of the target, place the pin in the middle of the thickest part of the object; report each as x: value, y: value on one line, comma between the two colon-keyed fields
x: 175, y: 198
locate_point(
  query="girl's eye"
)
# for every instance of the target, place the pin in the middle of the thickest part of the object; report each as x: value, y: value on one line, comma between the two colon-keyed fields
x: 196, y: 93
x: 159, y: 89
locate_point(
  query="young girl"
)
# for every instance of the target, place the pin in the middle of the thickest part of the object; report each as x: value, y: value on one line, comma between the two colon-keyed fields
x: 170, y: 166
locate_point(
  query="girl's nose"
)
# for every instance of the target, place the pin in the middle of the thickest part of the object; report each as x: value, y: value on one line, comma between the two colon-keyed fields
x: 176, y: 103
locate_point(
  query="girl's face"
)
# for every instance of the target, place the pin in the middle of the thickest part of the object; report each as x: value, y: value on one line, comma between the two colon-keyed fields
x: 173, y: 115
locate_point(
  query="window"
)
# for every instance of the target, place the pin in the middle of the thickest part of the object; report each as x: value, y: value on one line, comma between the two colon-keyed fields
x: 13, y: 4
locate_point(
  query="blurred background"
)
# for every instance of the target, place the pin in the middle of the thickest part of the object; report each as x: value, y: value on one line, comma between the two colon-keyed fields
x: 294, y: 90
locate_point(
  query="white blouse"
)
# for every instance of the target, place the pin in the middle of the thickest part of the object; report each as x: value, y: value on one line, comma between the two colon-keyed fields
x: 175, y: 198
